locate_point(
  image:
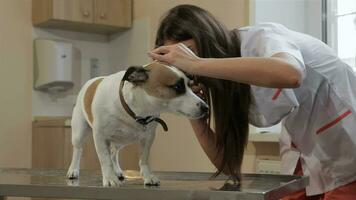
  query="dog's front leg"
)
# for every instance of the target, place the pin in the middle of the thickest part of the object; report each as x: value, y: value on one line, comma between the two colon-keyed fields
x: 115, y: 161
x: 146, y: 143
x: 103, y: 150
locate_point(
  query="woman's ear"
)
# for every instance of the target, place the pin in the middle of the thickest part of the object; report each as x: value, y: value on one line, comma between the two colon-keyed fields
x: 136, y: 75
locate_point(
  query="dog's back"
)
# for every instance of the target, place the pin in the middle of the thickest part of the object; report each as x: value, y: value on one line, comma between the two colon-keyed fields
x: 86, y: 96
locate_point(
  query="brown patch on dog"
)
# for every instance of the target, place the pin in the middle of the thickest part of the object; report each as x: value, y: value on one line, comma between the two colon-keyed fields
x: 88, y: 98
x: 160, y: 77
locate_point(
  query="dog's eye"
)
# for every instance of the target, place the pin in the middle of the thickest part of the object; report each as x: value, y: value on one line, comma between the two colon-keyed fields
x: 179, y: 86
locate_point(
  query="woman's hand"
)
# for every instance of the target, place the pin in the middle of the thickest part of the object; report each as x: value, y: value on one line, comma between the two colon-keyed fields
x: 177, y: 55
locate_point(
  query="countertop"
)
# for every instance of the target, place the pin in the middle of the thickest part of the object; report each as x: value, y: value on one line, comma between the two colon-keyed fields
x: 174, y: 185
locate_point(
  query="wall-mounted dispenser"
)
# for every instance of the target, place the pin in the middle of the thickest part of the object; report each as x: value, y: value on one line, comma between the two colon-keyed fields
x: 53, y: 61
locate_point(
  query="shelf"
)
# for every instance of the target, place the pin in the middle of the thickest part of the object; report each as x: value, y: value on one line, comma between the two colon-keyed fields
x: 264, y: 137
x: 51, y: 121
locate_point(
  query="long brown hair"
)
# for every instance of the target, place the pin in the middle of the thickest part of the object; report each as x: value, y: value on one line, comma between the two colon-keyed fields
x: 230, y: 100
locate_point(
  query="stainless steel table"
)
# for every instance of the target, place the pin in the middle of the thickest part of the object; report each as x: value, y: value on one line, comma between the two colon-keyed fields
x: 174, y: 186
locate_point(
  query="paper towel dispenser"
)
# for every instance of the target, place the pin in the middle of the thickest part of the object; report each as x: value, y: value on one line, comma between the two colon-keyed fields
x: 53, y: 63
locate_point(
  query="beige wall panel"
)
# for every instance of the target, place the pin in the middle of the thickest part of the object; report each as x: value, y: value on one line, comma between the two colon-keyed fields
x: 178, y: 149
x: 233, y: 13
x: 15, y: 83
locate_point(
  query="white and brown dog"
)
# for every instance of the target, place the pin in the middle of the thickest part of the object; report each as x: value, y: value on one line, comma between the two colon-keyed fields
x: 124, y: 108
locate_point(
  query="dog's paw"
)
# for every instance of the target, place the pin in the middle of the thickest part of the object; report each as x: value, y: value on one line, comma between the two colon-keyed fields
x: 73, y: 174
x: 112, y: 182
x: 151, y: 180
x: 121, y: 177
x: 72, y: 182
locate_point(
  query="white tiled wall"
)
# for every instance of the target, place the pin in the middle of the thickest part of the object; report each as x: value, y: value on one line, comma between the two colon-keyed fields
x: 303, y: 15
x: 88, y: 46
x: 114, y: 53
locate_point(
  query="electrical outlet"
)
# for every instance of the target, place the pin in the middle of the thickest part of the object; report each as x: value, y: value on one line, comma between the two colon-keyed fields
x: 94, y: 68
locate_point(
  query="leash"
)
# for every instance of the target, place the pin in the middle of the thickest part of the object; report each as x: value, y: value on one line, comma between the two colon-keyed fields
x: 141, y: 120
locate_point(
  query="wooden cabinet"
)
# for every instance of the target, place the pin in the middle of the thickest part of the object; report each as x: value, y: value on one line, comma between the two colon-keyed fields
x: 52, y: 148
x: 73, y: 10
x: 113, y: 12
x: 98, y: 16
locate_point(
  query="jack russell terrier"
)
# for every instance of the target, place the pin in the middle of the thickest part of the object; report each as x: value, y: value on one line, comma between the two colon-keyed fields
x: 124, y: 108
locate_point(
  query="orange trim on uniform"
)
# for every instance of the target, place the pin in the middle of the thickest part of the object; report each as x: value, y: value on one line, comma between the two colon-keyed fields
x: 276, y: 94
x: 293, y: 145
x: 335, y: 121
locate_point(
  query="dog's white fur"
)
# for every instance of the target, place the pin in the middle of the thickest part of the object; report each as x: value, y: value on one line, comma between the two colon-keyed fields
x: 113, y: 128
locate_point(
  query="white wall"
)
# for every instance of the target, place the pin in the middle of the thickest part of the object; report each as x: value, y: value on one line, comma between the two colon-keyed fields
x: 299, y: 15
x: 290, y: 13
x: 313, y: 18
x: 88, y: 46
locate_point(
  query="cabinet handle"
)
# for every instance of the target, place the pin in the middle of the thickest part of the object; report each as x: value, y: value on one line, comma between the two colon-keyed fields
x: 103, y: 16
x: 86, y: 14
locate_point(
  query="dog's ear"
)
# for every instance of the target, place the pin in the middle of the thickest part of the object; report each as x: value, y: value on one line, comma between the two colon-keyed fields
x: 136, y: 75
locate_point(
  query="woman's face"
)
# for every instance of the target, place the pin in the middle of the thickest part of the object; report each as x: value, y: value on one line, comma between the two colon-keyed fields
x: 189, y: 43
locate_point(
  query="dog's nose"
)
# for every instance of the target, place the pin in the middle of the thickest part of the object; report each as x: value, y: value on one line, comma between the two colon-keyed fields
x: 203, y: 107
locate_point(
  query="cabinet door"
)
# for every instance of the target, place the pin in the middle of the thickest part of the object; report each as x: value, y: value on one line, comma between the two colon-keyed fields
x: 74, y: 10
x: 113, y: 12
x: 47, y: 148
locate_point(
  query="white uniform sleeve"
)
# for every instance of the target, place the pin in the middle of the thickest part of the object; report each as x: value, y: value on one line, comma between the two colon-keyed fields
x: 266, y: 40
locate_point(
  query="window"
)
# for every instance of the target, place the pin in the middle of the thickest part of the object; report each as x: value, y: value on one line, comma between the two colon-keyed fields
x: 342, y: 29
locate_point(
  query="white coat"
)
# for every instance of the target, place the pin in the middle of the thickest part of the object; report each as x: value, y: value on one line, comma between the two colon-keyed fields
x: 319, y: 117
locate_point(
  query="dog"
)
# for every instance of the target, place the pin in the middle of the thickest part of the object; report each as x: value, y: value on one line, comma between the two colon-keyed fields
x: 124, y: 108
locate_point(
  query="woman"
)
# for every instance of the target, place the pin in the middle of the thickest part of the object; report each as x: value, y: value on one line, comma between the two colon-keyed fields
x: 263, y: 74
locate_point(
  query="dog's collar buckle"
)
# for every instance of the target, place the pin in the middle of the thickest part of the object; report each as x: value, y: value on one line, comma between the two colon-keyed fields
x: 145, y: 120
x: 149, y: 119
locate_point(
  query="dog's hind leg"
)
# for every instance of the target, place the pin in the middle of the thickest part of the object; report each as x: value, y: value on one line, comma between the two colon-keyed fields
x: 80, y: 130
x: 115, y: 149
x: 146, y: 143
